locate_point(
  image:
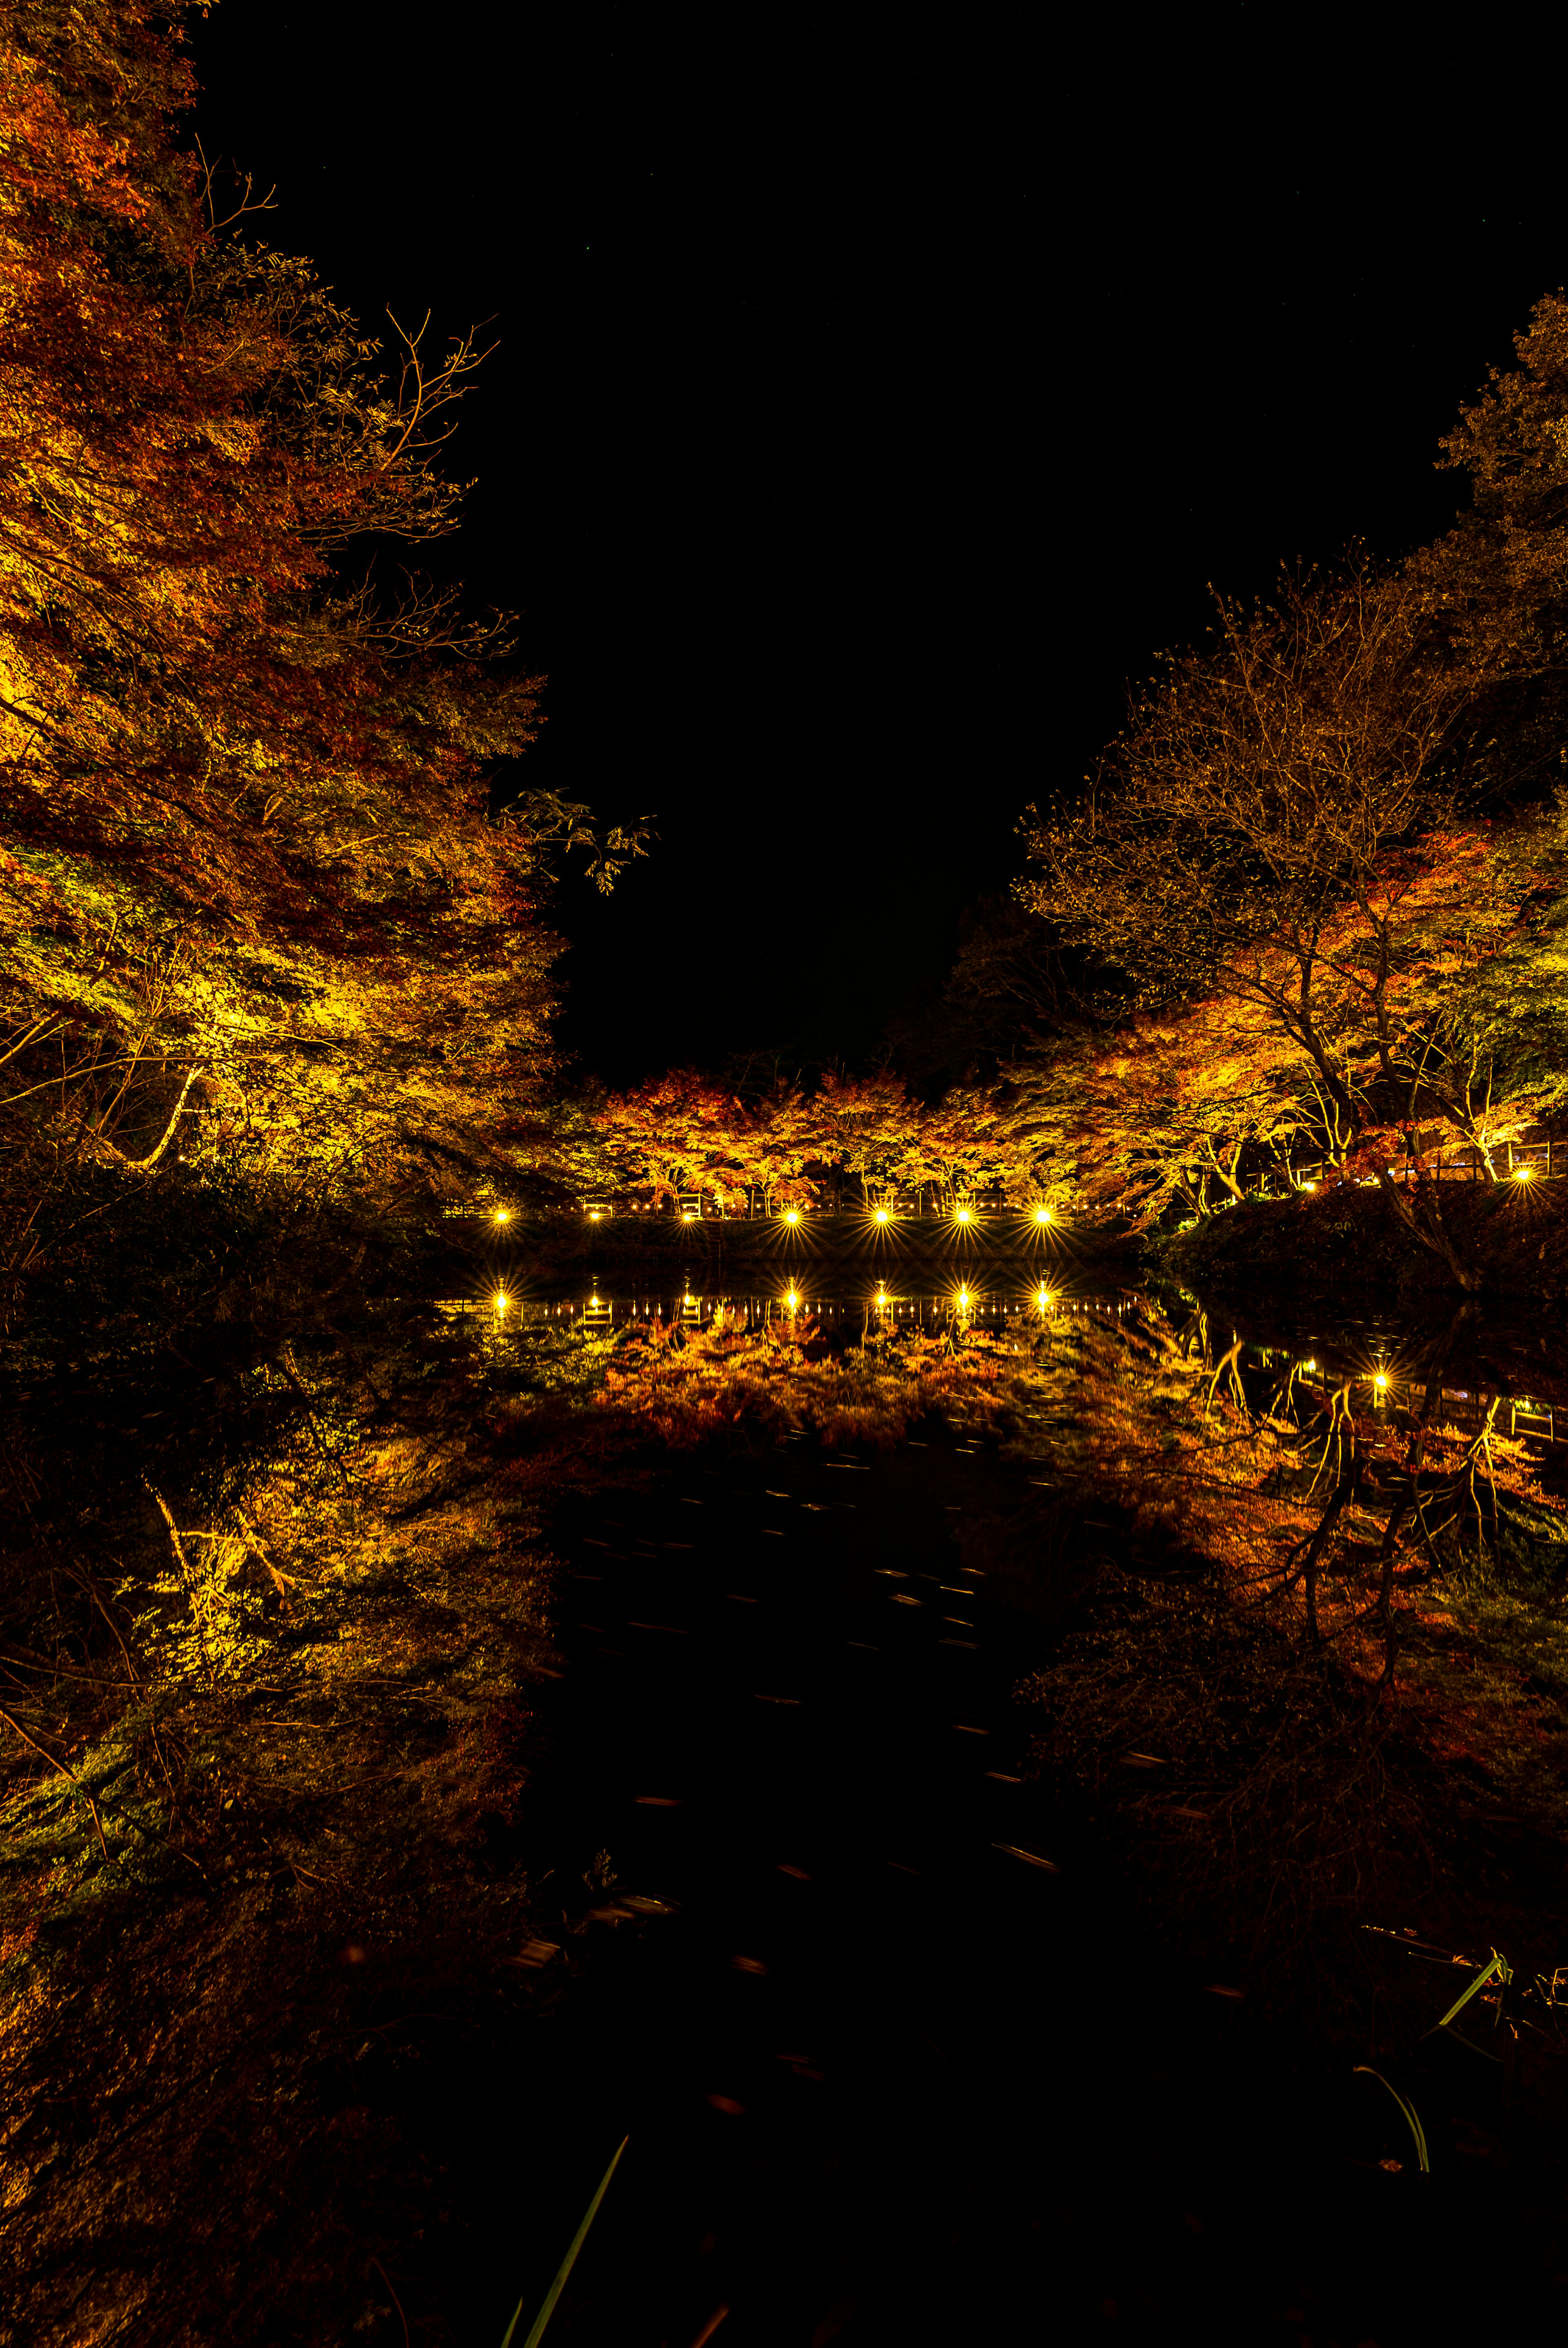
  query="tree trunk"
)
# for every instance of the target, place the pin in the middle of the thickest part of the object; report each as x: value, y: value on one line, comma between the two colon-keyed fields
x: 1423, y: 1221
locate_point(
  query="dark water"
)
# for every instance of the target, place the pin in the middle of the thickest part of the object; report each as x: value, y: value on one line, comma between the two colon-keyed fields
x: 894, y: 2062
x: 886, y: 2078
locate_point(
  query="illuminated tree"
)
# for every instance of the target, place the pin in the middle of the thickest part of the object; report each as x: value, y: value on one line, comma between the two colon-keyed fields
x: 1496, y: 585
x: 1165, y: 1111
x: 252, y: 895
x: 1276, y: 829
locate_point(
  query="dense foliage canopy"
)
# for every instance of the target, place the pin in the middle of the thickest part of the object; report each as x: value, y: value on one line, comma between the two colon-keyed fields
x: 254, y: 901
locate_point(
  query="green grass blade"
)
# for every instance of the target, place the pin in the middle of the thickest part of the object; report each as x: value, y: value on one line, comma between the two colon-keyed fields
x: 566, y: 2264
x: 1411, y: 2116
x: 1497, y: 1966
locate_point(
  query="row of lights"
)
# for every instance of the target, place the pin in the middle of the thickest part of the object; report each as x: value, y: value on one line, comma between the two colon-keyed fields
x: 1043, y: 1298
x: 792, y: 1214
x: 1041, y: 1215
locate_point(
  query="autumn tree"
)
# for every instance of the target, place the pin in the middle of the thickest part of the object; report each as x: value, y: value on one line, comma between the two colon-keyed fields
x: 252, y: 893
x: 1495, y: 587
x: 1278, y: 827
x: 1167, y: 1110
x: 678, y: 1132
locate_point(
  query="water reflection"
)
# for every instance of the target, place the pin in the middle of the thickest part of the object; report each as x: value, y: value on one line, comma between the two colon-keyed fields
x: 994, y: 1309
x: 1377, y: 1364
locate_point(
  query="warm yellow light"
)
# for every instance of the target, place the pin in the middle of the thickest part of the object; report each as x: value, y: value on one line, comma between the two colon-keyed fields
x: 1309, y: 1186
x: 688, y: 1216
x: 792, y: 1300
x: 881, y: 1215
x: 1042, y: 1214
x: 502, y: 1215
x: 792, y: 1214
x: 963, y: 1296
x: 1043, y: 1298
x: 502, y: 1300
x: 1309, y: 1365
x: 1522, y: 1173
x: 1380, y: 1378
x: 963, y: 1215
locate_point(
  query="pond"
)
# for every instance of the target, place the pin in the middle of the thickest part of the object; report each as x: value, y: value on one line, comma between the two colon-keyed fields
x: 899, y: 2051
x: 851, y: 1854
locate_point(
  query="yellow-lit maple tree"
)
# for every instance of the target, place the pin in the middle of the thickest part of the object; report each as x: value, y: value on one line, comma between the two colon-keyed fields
x: 253, y: 896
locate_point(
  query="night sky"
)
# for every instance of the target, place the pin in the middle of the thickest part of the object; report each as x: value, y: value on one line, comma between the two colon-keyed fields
x: 868, y: 409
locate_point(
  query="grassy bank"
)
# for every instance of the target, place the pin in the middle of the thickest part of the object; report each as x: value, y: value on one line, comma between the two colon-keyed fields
x: 1514, y: 1234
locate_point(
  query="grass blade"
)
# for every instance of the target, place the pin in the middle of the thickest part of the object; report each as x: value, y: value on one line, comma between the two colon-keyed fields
x: 566, y: 2264
x: 1416, y: 2130
x: 1503, y: 1974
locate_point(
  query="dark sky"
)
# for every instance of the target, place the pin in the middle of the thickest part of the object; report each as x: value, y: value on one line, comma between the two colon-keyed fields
x: 869, y: 407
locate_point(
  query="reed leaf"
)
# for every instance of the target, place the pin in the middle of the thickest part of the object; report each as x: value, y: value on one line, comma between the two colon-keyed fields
x: 566, y: 2264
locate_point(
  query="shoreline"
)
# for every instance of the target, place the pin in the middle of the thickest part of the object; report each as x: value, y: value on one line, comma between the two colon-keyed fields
x: 1515, y: 1238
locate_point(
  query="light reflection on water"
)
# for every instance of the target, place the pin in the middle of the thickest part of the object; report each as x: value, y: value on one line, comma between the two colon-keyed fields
x: 1376, y: 1360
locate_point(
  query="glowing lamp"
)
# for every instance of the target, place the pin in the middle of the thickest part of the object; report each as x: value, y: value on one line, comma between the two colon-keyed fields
x: 1380, y: 1379
x: 792, y: 1214
x: 687, y: 1216
x: 1522, y: 1173
x: 1042, y: 1214
x: 1309, y: 1365
x: 963, y: 1215
x: 502, y: 1300
x: 792, y: 1300
x: 1309, y: 1186
x: 503, y: 1215
x: 963, y: 1296
x: 880, y: 1216
x: 1043, y: 1298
